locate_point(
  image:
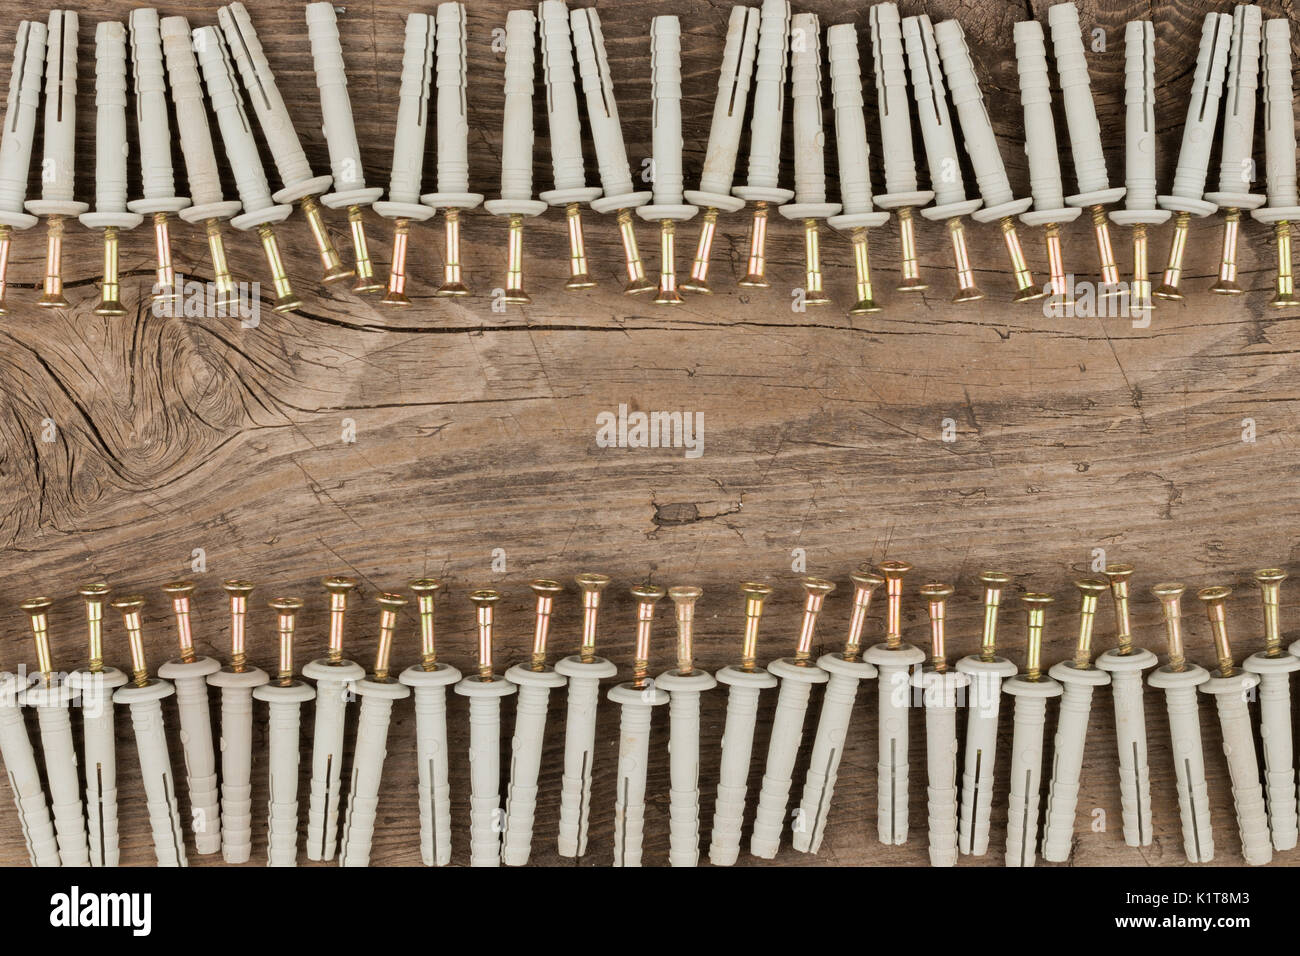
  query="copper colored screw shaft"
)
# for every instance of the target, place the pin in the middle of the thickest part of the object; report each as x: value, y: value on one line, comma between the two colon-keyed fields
x: 864, y: 585
x: 484, y: 600
x: 95, y: 595
x: 130, y: 607
x: 545, y: 591
x: 994, y: 582
x: 684, y: 599
x: 756, y: 596
x: 238, y: 591
x: 590, y: 585
x: 1089, y: 591
x: 1169, y: 595
x: 286, y: 610
x: 180, y: 592
x: 815, y: 591
x: 1118, y: 575
x: 936, y: 596
x: 38, y: 611
x: 425, y: 589
x: 646, y: 595
x: 893, y: 572
x: 389, y: 605
x: 339, y: 588
x: 1270, y: 593
x: 1215, y: 600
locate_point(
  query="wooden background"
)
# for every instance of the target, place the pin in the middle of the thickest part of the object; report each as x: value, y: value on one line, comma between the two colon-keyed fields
x: 475, y: 431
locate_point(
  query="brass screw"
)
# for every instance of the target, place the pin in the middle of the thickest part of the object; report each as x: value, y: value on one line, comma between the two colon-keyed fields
x: 813, y: 292
x: 647, y: 595
x: 668, y: 294
x: 1026, y: 289
x: 937, y: 597
x: 1036, y: 614
x: 893, y: 572
x: 1174, y: 270
x: 579, y: 274
x: 684, y: 599
x: 453, y: 283
x: 335, y: 270
x: 339, y: 588
x: 52, y: 297
x: 110, y: 297
x: 864, y: 585
x: 1118, y: 575
x: 180, y: 592
x: 1215, y: 600
x: 285, y: 300
x: 1105, y: 251
x: 515, y: 263
x: 1056, y: 265
x: 590, y: 585
x: 425, y: 589
x: 165, y: 274
x: 38, y: 610
x: 221, y: 276
x: 755, y: 277
x: 699, y: 277
x: 389, y: 605
x: 238, y: 591
x: 1089, y: 591
x: 966, y: 288
x: 366, y: 281
x: 396, y: 294
x: 1270, y: 593
x: 95, y: 595
x: 1140, y: 292
x: 545, y: 591
x: 6, y: 241
x: 1284, y: 290
x: 910, y: 280
x: 994, y: 582
x: 756, y: 595
x: 130, y: 607
x: 815, y: 591
x: 1226, y: 284
x: 866, y: 302
x: 484, y: 599
x: 286, y: 610
x: 637, y: 282
x: 1170, y: 594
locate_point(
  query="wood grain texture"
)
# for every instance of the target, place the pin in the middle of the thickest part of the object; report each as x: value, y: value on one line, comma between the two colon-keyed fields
x: 475, y: 431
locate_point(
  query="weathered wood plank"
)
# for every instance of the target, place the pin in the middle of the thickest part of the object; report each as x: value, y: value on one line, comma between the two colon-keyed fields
x: 475, y: 430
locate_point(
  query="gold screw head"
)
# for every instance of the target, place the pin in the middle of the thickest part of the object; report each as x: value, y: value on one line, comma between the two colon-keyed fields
x: 175, y: 589
x: 994, y: 583
x: 338, y: 584
x: 285, y: 604
x: 893, y: 572
x: 286, y: 609
x: 237, y: 588
x: 589, y: 581
x: 389, y: 605
x: 647, y: 593
x: 93, y: 592
x: 545, y: 586
x: 483, y: 597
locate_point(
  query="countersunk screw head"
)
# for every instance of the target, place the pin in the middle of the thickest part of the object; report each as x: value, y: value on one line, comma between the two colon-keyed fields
x: 236, y: 587
x: 590, y: 581
x: 936, y: 592
x: 129, y: 602
x: 285, y: 604
x: 92, y: 591
x: 422, y: 586
x: 545, y: 586
x: 177, y: 589
x: 37, y: 605
x: 648, y: 593
x: 481, y: 597
x: 1168, y: 590
x: 338, y: 584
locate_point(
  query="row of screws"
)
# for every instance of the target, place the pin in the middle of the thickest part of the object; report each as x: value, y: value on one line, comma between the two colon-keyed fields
x: 889, y: 574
